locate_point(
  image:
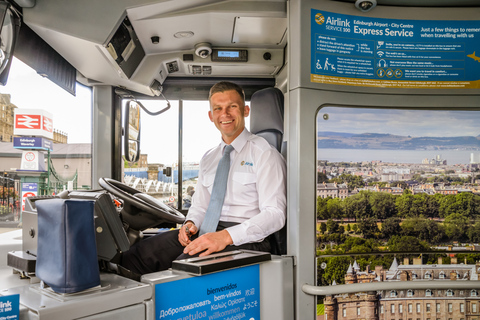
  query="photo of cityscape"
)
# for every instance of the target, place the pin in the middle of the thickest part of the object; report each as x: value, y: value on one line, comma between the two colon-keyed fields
x: 398, y: 199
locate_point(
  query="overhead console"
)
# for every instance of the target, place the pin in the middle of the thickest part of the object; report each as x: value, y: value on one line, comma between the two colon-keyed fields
x: 124, y: 50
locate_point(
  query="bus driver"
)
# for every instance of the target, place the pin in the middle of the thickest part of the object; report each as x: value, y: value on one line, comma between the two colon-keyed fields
x: 251, y: 203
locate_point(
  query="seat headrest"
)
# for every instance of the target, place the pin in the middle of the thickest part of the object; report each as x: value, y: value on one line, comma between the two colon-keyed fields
x: 266, y: 109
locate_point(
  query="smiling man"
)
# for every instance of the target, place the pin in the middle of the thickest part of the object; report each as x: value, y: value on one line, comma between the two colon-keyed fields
x: 254, y: 205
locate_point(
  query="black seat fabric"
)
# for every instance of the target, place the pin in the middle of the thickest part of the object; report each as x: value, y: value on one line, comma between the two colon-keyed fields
x: 267, y: 114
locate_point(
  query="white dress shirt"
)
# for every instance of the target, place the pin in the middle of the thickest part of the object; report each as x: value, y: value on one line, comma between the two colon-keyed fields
x: 256, y: 189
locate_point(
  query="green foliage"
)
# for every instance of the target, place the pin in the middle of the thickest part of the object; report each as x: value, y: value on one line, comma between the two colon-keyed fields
x: 390, y: 227
x: 351, y: 180
x: 406, y: 243
x: 423, y: 229
x: 368, y: 227
x: 456, y: 226
x: 323, y: 227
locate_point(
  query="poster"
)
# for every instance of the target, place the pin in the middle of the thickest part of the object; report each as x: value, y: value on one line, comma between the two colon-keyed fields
x: 377, y: 52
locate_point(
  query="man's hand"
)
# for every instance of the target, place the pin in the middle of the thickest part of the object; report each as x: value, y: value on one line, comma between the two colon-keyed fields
x: 186, y: 231
x: 209, y: 243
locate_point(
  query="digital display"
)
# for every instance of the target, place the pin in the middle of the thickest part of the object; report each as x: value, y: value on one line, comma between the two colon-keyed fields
x: 228, y: 54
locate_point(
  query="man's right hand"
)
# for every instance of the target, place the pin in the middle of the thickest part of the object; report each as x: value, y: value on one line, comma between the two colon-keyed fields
x: 184, y: 236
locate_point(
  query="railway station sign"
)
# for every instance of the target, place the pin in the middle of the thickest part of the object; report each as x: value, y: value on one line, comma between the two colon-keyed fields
x: 32, y: 143
x: 232, y: 295
x: 376, y: 52
x: 33, y: 122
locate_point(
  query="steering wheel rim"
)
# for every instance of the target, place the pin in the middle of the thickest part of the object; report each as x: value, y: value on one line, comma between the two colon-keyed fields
x: 127, y: 193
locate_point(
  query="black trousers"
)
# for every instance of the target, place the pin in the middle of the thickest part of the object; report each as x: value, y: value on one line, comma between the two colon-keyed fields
x: 157, y: 253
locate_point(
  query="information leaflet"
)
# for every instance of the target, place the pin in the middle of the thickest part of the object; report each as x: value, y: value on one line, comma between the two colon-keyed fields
x: 229, y: 295
x: 376, y: 52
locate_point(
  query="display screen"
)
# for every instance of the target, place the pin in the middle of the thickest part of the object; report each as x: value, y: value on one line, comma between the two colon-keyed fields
x: 228, y: 54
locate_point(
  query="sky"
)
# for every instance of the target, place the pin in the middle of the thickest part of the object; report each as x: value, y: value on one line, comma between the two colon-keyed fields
x: 416, y: 123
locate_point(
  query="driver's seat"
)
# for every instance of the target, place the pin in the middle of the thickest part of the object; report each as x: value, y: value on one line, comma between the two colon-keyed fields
x: 267, y: 114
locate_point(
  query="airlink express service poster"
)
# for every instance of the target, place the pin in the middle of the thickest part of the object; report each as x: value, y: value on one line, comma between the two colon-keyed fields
x: 375, y: 52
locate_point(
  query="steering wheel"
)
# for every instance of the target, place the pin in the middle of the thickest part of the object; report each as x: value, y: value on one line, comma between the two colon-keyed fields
x: 141, y: 211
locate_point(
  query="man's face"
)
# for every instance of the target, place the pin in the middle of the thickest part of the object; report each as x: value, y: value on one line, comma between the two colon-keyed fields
x: 228, y: 112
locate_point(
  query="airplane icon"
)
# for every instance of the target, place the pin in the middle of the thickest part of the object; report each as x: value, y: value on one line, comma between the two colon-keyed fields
x: 474, y: 57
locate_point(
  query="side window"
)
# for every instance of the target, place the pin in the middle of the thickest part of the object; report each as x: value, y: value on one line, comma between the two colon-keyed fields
x: 156, y: 172
x: 47, y: 147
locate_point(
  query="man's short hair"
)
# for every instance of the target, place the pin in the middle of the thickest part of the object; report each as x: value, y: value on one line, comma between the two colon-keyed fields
x: 223, y: 86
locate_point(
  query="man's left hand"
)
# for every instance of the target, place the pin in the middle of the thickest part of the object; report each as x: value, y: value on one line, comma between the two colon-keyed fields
x: 209, y: 243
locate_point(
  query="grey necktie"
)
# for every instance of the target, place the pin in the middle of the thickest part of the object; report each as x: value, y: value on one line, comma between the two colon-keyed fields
x: 212, y: 216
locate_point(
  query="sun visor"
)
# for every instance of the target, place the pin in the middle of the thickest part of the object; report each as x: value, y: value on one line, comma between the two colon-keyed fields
x: 36, y: 53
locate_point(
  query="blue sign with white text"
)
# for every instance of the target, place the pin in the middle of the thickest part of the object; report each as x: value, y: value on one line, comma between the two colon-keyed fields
x: 32, y: 143
x: 10, y: 307
x: 228, y: 295
x: 377, y: 52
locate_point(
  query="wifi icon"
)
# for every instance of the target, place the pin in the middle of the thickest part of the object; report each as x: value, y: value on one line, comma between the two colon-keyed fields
x: 380, y: 53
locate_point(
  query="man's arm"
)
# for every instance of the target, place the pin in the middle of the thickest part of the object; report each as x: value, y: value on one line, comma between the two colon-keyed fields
x: 271, y: 188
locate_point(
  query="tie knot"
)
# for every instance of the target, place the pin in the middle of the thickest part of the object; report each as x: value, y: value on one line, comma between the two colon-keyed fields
x: 228, y: 149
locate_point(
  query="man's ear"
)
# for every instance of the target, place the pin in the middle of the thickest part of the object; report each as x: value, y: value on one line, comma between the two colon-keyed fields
x: 210, y: 115
x: 246, y: 111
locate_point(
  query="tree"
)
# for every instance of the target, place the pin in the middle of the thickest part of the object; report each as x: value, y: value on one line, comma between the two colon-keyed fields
x: 321, y: 177
x: 355, y: 228
x: 358, y: 205
x: 335, y: 208
x: 456, y: 226
x: 332, y: 226
x: 423, y: 229
x: 322, y: 212
x: 390, y: 227
x: 335, y: 269
x: 407, y: 243
x: 383, y: 205
x: 351, y: 180
x: 473, y: 232
x: 404, y: 204
x: 368, y: 227
x: 323, y: 227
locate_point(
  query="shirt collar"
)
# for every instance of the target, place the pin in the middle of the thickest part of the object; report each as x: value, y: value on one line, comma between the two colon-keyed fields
x: 239, y: 141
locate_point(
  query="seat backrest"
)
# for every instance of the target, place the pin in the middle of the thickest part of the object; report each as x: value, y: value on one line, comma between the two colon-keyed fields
x: 267, y: 114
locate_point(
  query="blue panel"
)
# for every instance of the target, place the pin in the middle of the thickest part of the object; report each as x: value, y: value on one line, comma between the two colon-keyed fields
x: 376, y: 52
x: 32, y: 143
x: 10, y: 307
x: 231, y: 294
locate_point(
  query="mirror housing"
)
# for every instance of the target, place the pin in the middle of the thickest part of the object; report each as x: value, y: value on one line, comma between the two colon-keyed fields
x: 131, y: 127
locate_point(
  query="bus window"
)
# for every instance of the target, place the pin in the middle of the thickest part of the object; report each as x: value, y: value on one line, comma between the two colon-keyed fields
x: 199, y: 135
x: 394, y: 186
x: 156, y: 171
x: 29, y: 168
x: 160, y: 150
